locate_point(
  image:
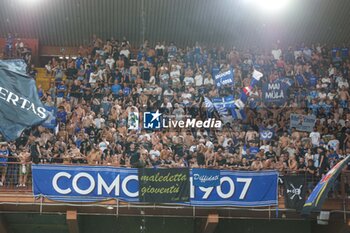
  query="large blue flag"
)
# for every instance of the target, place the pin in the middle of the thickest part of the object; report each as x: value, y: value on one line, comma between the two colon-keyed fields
x: 226, y: 106
x: 20, y: 106
x: 320, y: 192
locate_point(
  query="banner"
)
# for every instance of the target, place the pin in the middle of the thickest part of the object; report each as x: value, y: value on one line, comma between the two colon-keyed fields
x: 320, y: 192
x: 336, y: 55
x: 205, y: 177
x: 274, y: 93
x: 266, y: 133
x: 294, y: 191
x: 85, y: 183
x: 133, y: 120
x: 95, y: 183
x: 164, y: 185
x: 302, y: 122
x: 20, y: 104
x: 51, y: 121
x: 225, y: 78
x: 238, y: 188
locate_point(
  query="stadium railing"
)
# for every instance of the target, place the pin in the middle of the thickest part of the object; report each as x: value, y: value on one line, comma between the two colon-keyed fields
x: 340, y: 190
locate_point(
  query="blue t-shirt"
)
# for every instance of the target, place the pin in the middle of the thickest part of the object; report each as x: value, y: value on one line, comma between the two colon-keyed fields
x: 61, y: 87
x: 79, y: 62
x: 3, y: 160
x: 327, y: 108
x: 300, y: 79
x: 312, y: 80
x: 62, y: 116
x: 116, y: 88
x: 126, y: 90
x: 314, y: 108
x: 333, y: 156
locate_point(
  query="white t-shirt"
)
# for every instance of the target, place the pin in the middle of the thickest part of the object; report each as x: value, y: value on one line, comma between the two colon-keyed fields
x: 276, y: 53
x: 315, y: 138
x: 110, y: 62
x: 175, y: 74
x: 125, y: 52
x: 93, y: 77
x: 98, y: 122
x: 208, y: 81
x: 265, y: 148
x: 103, y: 145
x: 188, y: 80
x: 154, y: 153
x: 198, y: 80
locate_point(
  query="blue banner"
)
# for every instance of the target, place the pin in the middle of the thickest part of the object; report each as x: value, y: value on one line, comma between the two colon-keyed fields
x: 51, y: 121
x: 266, y: 133
x: 85, y: 183
x: 302, y: 122
x: 224, y: 78
x: 94, y: 183
x: 224, y: 102
x: 274, y: 93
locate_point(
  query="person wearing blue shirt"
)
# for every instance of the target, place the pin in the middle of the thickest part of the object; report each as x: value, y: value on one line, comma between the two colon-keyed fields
x: 126, y: 90
x: 312, y: 80
x: 314, y: 107
x: 61, y: 115
x: 327, y: 107
x: 79, y: 61
x: 4, y: 153
x: 116, y: 87
x: 248, y: 155
x: 300, y: 80
x: 61, y: 90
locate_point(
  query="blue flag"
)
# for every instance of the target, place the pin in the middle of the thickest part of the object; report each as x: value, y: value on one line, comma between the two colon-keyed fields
x: 20, y: 104
x: 226, y: 106
x: 320, y: 192
x: 266, y: 133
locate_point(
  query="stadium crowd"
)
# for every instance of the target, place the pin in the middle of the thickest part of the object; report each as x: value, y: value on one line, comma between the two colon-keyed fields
x: 107, y: 82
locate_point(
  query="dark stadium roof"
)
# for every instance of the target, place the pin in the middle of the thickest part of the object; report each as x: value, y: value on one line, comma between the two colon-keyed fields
x: 215, y: 22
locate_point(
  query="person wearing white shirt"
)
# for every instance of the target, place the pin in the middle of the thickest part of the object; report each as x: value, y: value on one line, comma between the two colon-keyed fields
x: 276, y: 53
x: 315, y: 137
x: 188, y: 81
x: 167, y: 104
x: 94, y: 76
x: 110, y: 61
x: 175, y: 75
x: 125, y: 52
x: 198, y: 79
x: 99, y: 121
x: 208, y: 80
x: 103, y: 145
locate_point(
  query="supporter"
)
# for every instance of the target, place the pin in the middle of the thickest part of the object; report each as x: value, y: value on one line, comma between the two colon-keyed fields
x: 4, y: 153
x: 107, y: 84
